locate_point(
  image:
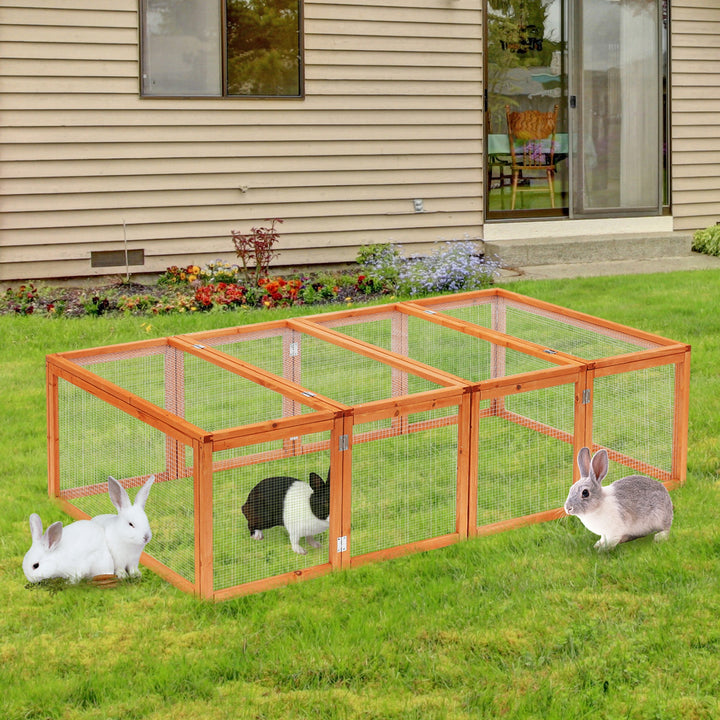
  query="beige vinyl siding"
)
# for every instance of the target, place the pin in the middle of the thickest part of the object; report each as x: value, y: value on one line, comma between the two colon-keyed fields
x: 392, y: 112
x: 695, y: 33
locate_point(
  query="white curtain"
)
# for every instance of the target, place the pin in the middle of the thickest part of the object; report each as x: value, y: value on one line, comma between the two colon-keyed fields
x: 620, y: 99
x: 639, y: 104
x: 181, y: 47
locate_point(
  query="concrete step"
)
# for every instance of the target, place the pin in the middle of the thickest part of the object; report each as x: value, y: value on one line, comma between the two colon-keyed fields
x: 532, y: 252
x: 597, y: 268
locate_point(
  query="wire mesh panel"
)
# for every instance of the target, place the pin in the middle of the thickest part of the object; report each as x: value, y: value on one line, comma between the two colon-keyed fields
x: 110, y: 442
x: 542, y: 324
x: 634, y: 419
x: 525, y: 454
x: 114, y: 443
x: 467, y: 356
x: 323, y: 367
x: 270, y: 512
x: 405, y: 480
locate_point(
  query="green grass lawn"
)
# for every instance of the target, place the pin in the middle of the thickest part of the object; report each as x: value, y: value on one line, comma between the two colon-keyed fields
x: 532, y: 623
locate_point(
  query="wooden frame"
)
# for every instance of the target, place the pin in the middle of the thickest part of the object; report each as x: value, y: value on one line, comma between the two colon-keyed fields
x: 414, y: 397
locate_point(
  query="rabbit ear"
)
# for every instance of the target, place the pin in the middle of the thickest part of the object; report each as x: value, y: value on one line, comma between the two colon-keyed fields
x: 583, y: 461
x: 316, y: 482
x: 143, y: 492
x: 36, y: 528
x: 54, y: 534
x: 600, y: 464
x: 118, y: 495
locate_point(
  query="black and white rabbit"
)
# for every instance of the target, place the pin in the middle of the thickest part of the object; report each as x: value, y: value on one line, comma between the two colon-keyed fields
x: 302, y: 508
x: 629, y: 508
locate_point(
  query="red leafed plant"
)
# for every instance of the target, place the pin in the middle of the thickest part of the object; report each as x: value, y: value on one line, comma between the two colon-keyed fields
x: 256, y: 251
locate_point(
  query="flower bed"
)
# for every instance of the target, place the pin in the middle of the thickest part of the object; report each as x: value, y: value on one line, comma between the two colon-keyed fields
x: 220, y: 286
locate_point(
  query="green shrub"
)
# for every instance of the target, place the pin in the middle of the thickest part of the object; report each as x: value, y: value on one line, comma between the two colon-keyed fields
x: 707, y: 241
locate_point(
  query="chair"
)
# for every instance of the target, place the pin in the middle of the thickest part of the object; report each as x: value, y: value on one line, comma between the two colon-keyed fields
x: 531, y: 127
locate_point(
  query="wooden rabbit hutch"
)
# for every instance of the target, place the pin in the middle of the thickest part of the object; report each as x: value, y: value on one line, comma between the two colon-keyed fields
x: 434, y: 420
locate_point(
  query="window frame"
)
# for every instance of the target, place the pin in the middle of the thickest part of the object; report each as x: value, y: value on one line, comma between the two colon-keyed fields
x: 223, y: 56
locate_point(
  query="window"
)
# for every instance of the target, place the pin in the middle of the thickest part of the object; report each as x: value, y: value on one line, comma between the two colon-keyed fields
x: 216, y: 48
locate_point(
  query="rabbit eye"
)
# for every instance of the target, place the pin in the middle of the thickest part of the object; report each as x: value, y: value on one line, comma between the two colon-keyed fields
x: 586, y: 493
x: 130, y: 524
x: 36, y: 566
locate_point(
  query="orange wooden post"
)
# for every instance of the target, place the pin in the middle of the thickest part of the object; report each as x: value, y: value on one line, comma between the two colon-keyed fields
x: 340, y: 492
x: 473, y: 461
x: 681, y: 419
x: 466, y: 463
x: 53, y: 431
x: 203, y: 490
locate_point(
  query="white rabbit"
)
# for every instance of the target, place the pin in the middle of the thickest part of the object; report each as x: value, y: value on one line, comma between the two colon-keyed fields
x: 629, y: 508
x: 128, y: 532
x: 76, y: 551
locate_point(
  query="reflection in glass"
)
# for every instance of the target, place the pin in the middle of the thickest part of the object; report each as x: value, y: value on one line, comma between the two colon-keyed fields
x: 182, y: 48
x: 263, y: 51
x: 525, y: 71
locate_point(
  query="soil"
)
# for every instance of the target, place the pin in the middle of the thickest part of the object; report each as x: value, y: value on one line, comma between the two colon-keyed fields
x: 108, y: 298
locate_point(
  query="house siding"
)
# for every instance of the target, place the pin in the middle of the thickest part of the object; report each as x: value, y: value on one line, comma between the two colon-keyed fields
x: 392, y: 112
x: 695, y: 58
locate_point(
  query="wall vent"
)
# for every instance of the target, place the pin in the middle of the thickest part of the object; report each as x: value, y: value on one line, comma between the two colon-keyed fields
x: 116, y: 258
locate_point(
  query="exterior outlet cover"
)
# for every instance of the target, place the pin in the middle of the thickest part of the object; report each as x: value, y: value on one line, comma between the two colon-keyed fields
x: 418, y: 205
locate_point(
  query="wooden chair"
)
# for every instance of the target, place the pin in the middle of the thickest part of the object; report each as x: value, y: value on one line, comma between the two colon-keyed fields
x: 531, y: 127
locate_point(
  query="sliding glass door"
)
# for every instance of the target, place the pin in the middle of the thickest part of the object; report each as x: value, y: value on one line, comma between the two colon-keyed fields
x: 615, y: 107
x: 601, y: 63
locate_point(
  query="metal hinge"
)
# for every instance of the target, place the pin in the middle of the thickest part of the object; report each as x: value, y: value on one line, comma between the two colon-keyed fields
x: 585, y: 397
x: 344, y: 443
x: 342, y: 544
x: 294, y: 349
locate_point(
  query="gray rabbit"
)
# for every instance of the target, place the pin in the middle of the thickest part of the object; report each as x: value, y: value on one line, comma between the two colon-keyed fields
x: 629, y: 508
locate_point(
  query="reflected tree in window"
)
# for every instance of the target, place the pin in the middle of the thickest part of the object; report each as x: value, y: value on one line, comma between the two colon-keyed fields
x: 518, y: 40
x: 263, y: 47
